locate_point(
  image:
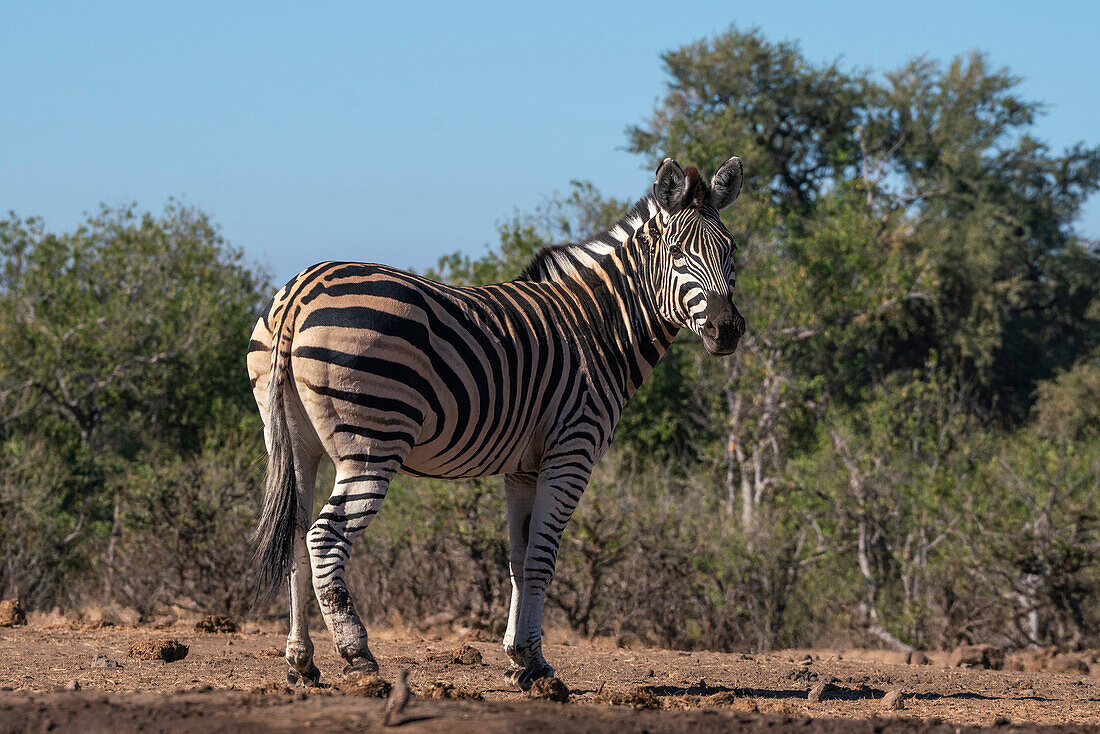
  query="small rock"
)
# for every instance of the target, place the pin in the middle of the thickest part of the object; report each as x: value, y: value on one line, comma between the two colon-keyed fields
x: 167, y: 650
x: 808, y: 660
x: 102, y: 661
x: 1028, y: 692
x: 270, y: 652
x: 550, y: 689
x: 802, y: 674
x: 216, y: 623
x: 816, y: 693
x: 11, y: 613
x: 73, y: 685
x: 892, y: 701
x: 650, y: 673
x: 918, y: 658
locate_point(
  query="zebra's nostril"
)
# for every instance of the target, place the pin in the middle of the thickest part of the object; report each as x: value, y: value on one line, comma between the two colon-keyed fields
x: 710, y: 329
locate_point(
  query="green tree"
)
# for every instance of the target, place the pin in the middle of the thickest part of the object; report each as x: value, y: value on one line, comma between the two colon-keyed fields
x: 904, y: 243
x: 993, y: 209
x: 122, y: 343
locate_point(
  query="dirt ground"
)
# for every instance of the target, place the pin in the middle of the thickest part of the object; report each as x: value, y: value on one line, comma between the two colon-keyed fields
x: 236, y: 682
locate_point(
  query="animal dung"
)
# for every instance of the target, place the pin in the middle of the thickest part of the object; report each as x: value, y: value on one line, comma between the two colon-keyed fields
x: 167, y: 650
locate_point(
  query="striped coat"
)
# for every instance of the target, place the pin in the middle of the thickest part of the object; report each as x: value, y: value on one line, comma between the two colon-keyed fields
x: 387, y: 372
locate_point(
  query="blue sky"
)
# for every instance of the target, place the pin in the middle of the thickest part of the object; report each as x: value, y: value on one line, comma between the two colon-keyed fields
x: 399, y: 132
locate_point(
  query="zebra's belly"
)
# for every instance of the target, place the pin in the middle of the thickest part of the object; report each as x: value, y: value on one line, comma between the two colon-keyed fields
x: 489, y: 459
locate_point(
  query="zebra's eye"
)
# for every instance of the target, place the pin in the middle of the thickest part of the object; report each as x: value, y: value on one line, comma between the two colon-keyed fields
x: 676, y: 251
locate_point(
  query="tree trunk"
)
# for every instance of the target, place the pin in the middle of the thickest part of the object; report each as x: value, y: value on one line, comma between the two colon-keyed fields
x: 112, y: 541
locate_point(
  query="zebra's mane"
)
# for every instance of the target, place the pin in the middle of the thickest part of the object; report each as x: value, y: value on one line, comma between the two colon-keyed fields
x: 555, y: 261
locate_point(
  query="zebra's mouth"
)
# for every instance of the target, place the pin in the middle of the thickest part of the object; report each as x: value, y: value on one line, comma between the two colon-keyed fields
x: 716, y: 349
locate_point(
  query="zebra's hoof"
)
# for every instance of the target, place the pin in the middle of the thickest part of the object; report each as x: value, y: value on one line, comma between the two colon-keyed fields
x: 310, y: 679
x: 524, y: 678
x: 361, y: 665
x: 511, y: 674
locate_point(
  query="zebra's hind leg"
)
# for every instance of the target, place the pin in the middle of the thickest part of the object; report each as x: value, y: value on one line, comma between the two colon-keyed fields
x: 299, y: 646
x: 355, y: 500
x: 520, y: 496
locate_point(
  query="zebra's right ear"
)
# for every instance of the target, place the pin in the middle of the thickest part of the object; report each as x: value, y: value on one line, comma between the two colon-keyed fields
x: 670, y: 188
x: 726, y: 185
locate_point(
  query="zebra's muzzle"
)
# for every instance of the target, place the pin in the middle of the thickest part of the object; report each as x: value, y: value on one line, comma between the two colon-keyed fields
x: 722, y: 327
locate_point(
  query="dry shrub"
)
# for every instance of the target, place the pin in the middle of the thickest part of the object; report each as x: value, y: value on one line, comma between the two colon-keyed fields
x: 436, y: 547
x: 185, y: 537
x: 634, y: 563
x: 42, y: 560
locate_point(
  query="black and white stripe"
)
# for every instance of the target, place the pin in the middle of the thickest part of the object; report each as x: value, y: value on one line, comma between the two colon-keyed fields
x: 385, y: 371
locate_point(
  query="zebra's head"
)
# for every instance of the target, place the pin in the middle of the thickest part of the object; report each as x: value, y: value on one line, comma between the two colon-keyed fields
x: 692, y: 263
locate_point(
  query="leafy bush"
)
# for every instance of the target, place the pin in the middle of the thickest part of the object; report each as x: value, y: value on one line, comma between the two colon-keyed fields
x: 903, y: 450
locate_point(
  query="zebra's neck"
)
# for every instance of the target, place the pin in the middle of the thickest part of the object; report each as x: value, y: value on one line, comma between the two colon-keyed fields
x: 565, y: 261
x: 608, y: 275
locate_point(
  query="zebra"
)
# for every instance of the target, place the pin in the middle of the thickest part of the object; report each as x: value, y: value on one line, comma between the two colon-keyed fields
x: 388, y: 372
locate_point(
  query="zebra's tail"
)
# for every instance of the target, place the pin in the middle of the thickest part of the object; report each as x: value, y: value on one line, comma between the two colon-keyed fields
x: 273, y: 538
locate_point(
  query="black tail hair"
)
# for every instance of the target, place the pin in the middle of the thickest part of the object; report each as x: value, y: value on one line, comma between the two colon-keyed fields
x: 281, y: 514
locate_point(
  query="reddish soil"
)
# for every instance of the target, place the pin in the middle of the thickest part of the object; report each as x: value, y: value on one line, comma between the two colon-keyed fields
x: 236, y: 682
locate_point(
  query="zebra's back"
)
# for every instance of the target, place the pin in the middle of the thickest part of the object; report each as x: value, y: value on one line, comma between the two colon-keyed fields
x: 456, y: 382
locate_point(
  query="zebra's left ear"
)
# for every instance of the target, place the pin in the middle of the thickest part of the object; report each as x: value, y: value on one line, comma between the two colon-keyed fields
x: 726, y: 184
x: 671, y: 187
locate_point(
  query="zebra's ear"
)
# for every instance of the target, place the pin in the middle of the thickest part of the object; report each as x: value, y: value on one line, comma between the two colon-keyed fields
x: 671, y: 186
x: 726, y: 184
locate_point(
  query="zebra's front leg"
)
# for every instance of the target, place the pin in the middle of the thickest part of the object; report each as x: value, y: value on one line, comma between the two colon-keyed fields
x: 355, y: 500
x: 555, y: 500
x: 520, y: 496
